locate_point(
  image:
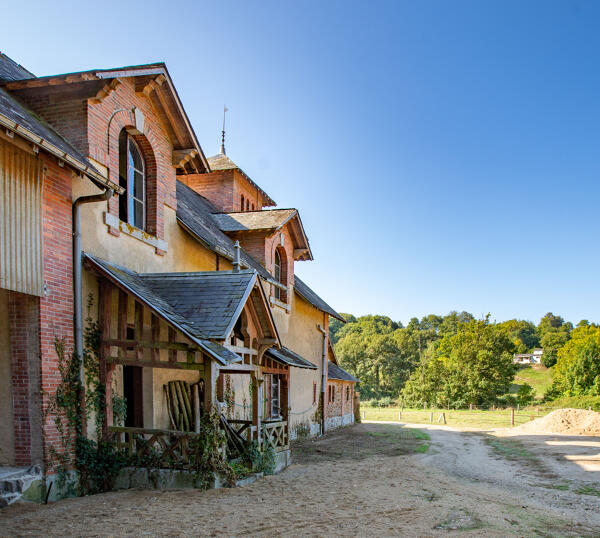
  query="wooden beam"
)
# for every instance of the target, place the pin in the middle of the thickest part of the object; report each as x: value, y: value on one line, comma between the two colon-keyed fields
x: 105, y: 372
x: 155, y: 324
x: 105, y: 91
x: 150, y: 344
x: 199, y: 366
x: 172, y: 352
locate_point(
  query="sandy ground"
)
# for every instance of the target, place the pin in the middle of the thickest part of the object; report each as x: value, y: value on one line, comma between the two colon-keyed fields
x: 364, y: 480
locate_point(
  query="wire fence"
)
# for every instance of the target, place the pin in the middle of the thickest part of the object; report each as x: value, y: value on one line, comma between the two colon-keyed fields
x: 473, y: 417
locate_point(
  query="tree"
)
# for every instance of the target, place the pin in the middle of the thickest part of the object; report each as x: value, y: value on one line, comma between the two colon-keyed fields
x: 472, y: 366
x: 523, y: 334
x: 525, y: 395
x: 554, y: 333
x: 335, y: 325
x: 577, y: 370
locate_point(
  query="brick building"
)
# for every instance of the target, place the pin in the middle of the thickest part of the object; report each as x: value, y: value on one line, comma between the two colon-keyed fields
x: 190, y: 279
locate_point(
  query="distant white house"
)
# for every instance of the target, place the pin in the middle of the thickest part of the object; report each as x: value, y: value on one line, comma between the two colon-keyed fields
x: 529, y: 358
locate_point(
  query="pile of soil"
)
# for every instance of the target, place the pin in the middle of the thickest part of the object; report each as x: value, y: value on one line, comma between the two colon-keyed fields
x: 569, y: 421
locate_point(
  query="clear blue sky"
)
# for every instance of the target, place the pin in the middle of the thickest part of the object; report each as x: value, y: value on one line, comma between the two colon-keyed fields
x: 443, y: 155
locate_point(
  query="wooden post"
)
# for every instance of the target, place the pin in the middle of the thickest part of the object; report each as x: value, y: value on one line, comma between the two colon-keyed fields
x: 105, y: 371
x: 431, y: 417
x: 255, y: 405
x: 363, y: 415
x: 518, y: 406
x: 399, y: 416
x: 444, y: 417
x: 512, y: 416
x: 470, y: 407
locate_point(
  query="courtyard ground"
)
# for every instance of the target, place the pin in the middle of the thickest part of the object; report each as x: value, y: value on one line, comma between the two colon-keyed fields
x: 364, y: 480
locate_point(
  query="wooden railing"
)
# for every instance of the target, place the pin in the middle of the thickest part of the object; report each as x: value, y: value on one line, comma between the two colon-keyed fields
x: 156, y: 448
x: 243, y: 428
x: 275, y: 434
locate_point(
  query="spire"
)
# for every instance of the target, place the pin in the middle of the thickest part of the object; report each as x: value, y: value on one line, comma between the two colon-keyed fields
x: 222, y: 152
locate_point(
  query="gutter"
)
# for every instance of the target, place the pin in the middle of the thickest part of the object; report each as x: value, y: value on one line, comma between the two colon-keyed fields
x: 323, y: 377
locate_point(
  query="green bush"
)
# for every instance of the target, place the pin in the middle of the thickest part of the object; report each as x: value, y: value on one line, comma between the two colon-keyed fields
x: 525, y: 395
x: 576, y: 402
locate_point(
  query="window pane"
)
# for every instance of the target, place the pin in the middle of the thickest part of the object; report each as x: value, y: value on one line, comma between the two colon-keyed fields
x: 139, y: 214
x: 136, y: 158
x: 138, y: 185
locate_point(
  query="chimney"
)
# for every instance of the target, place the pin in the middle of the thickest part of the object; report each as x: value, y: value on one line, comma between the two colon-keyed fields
x: 236, y: 257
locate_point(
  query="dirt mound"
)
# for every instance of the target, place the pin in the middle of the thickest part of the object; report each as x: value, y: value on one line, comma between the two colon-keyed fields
x: 570, y: 421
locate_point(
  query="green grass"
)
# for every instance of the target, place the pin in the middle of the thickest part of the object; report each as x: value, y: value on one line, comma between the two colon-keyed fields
x: 538, y: 376
x: 511, y: 449
x: 459, y: 418
x: 588, y: 490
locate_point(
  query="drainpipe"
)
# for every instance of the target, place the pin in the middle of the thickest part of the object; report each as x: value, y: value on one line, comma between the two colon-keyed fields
x: 77, y: 292
x: 323, y: 377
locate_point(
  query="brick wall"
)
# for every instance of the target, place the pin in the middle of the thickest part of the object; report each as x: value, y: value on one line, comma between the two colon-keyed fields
x: 35, y: 323
x: 217, y: 187
x: 23, y: 313
x: 56, y: 309
x: 342, y: 405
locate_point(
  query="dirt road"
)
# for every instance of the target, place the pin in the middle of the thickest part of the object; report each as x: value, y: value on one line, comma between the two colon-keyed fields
x: 365, y: 480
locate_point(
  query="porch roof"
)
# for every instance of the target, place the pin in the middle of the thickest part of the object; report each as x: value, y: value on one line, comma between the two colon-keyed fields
x: 335, y: 372
x: 166, y: 301
x: 287, y: 356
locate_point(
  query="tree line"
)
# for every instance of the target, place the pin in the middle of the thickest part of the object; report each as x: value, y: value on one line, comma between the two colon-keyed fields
x: 457, y: 360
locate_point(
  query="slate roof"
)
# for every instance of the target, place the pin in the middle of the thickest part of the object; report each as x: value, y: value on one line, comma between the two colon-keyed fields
x: 302, y: 289
x: 210, y: 301
x: 287, y: 356
x: 272, y: 219
x: 222, y: 162
x: 194, y: 213
x: 168, y: 301
x: 336, y: 372
x: 11, y: 70
x: 16, y: 116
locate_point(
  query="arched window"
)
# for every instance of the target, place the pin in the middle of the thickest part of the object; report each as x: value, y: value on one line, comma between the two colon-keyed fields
x: 277, y: 274
x: 132, y: 177
x: 247, y: 205
x: 242, y: 203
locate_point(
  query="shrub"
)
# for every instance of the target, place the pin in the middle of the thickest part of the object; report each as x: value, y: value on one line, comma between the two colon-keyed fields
x: 525, y: 395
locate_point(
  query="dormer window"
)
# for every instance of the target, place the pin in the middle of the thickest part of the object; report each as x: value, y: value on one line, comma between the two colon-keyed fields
x: 132, y: 177
x: 277, y: 274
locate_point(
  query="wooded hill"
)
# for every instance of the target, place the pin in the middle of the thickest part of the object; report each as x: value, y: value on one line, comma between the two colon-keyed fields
x: 457, y: 360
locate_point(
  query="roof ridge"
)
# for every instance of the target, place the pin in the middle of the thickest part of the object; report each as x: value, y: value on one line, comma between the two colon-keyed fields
x: 16, y: 64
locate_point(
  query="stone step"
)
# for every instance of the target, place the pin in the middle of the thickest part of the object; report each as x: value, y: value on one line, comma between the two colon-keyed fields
x: 8, y: 498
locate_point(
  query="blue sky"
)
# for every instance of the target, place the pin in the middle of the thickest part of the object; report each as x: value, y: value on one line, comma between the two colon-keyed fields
x: 443, y: 155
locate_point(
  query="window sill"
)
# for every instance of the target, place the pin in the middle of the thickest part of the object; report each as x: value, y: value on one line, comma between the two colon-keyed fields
x: 141, y: 235
x: 280, y: 304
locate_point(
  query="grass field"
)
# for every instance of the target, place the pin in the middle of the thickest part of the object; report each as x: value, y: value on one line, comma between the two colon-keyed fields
x: 538, y: 376
x: 459, y: 418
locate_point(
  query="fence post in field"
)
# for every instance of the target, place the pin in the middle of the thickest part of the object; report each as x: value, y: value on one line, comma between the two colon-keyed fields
x: 470, y: 407
x: 363, y: 415
x: 431, y: 417
x: 518, y: 406
x: 444, y: 417
x: 512, y: 416
x: 399, y: 416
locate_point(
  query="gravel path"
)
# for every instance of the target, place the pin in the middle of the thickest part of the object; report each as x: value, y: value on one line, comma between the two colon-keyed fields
x: 364, y: 480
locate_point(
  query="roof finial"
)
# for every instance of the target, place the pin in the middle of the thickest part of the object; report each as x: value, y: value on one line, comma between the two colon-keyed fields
x: 225, y: 109
x: 236, y: 257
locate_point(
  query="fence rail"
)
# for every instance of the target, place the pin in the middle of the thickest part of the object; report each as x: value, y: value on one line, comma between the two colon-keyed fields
x: 472, y: 417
